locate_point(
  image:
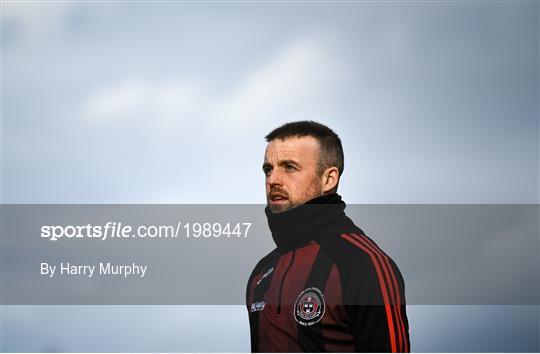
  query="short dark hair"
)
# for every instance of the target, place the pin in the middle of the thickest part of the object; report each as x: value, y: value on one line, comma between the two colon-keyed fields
x: 331, y: 150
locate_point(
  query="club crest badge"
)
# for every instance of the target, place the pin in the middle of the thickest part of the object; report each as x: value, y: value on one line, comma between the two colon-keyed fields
x: 309, y: 307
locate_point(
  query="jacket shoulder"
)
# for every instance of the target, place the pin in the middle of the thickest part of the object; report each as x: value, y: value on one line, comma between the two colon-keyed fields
x: 358, y: 256
x: 344, y: 254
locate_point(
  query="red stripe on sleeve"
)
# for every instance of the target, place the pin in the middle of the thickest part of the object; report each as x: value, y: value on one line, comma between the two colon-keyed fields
x: 386, y: 265
x: 390, y: 321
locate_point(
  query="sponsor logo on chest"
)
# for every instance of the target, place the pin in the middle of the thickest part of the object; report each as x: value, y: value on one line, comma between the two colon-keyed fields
x: 267, y: 273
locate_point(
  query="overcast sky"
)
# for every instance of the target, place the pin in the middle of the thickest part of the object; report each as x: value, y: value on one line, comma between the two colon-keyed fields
x: 169, y: 102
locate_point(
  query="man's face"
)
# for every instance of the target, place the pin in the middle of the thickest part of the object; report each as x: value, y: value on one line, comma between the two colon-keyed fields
x: 292, y: 178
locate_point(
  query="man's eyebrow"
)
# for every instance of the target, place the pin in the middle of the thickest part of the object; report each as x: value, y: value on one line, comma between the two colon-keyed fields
x: 281, y: 163
x: 288, y: 162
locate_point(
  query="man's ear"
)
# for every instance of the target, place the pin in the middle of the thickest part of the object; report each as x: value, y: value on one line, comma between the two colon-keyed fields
x: 330, y: 179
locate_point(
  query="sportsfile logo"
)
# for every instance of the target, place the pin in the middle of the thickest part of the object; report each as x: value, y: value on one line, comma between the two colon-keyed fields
x: 119, y: 230
x: 267, y: 273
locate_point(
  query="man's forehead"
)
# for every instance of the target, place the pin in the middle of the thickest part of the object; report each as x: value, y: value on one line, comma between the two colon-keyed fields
x: 298, y: 148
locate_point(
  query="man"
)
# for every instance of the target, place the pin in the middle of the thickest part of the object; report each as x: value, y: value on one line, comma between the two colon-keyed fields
x: 326, y: 287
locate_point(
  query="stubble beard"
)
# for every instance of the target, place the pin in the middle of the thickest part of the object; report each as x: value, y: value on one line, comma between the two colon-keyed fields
x: 314, y: 190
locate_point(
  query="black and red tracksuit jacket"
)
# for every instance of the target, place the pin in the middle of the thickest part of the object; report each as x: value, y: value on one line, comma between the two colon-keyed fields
x: 327, y: 287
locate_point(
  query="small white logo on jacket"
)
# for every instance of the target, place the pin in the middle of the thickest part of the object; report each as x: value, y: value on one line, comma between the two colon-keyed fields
x: 257, y: 306
x: 267, y: 273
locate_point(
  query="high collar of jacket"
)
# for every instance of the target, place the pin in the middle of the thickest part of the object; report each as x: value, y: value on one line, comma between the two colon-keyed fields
x: 297, y: 226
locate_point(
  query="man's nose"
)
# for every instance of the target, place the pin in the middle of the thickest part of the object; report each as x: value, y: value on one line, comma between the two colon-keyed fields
x: 274, y: 178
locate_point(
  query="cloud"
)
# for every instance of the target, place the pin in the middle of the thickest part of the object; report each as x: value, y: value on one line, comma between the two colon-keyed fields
x: 159, y: 108
x: 135, y: 96
x: 299, y: 74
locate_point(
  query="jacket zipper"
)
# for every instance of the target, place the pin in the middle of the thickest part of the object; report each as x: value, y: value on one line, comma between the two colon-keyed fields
x: 283, y: 281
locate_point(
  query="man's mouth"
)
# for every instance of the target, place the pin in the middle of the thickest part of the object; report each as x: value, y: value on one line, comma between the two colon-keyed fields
x: 278, y: 199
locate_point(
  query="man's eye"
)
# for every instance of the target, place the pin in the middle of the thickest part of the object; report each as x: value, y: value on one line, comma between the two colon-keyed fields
x: 267, y: 170
x: 290, y: 168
